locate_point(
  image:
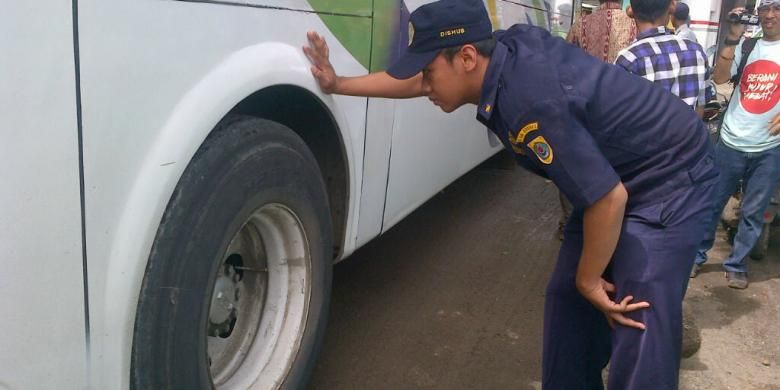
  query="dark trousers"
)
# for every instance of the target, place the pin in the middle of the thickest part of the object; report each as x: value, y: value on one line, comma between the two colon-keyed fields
x: 652, y: 262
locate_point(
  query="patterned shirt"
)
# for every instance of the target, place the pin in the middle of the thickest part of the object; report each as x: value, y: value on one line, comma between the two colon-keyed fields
x: 604, y: 32
x: 675, y: 64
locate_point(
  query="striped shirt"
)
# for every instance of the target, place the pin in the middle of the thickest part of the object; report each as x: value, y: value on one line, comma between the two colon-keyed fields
x: 671, y: 62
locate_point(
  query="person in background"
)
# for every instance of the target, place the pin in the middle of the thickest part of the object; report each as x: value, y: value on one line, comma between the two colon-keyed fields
x: 601, y: 34
x: 561, y: 22
x: 675, y: 64
x: 749, y: 144
x: 680, y: 20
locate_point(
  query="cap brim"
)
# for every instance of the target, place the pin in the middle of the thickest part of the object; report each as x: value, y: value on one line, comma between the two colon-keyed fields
x: 410, y: 64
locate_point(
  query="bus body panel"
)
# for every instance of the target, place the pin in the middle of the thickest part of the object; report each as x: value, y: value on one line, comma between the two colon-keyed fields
x: 379, y: 135
x: 430, y: 149
x: 705, y: 17
x: 156, y: 77
x: 348, y: 7
x: 141, y: 130
x: 43, y: 343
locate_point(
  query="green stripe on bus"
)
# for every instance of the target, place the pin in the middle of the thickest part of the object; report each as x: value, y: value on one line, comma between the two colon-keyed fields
x: 351, y: 7
x: 353, y: 32
x: 541, y: 17
x: 386, y: 15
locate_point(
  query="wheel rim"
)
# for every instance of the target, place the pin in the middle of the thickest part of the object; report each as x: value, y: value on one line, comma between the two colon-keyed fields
x: 260, y: 301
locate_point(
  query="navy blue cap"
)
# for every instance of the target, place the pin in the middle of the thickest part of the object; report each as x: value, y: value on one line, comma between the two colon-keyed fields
x: 439, y: 25
x: 682, y: 12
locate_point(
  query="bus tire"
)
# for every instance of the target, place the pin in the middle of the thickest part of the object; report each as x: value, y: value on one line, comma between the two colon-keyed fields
x: 237, y: 286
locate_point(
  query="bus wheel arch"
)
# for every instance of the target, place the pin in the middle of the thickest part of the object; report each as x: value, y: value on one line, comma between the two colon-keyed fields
x: 302, y: 112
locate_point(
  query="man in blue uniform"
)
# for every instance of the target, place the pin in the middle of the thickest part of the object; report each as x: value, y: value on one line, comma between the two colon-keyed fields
x: 633, y: 159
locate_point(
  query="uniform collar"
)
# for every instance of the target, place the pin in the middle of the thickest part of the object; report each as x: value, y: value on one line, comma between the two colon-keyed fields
x: 651, y: 32
x: 491, y: 82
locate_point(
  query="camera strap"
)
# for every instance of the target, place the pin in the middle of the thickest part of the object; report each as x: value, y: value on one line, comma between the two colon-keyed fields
x: 747, y: 48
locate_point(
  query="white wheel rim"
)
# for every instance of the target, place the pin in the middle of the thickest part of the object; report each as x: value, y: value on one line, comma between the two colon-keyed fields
x: 260, y: 302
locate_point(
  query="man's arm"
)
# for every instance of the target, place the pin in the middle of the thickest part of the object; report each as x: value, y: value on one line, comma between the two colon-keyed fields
x: 701, y: 100
x: 378, y: 84
x: 723, y: 62
x: 602, y: 224
x: 774, y: 125
x: 574, y: 32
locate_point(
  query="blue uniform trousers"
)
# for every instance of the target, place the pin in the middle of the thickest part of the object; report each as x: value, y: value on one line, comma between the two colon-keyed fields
x: 652, y: 262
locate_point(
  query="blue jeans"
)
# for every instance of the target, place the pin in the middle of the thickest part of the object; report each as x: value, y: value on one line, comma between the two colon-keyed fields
x: 760, y: 173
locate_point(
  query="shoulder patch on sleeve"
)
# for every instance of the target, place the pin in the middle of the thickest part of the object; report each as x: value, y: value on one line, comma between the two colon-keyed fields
x: 542, y: 149
x: 533, y: 126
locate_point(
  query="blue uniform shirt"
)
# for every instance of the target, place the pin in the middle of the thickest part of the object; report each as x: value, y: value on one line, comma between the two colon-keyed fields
x: 588, y: 125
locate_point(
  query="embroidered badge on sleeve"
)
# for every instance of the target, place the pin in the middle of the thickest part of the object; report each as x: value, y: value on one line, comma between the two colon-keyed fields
x: 542, y: 150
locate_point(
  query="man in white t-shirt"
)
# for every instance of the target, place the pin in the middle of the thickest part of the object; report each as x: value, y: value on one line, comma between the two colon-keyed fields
x: 749, y: 145
x: 680, y: 20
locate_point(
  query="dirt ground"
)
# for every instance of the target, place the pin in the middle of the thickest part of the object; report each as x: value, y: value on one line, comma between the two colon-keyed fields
x: 740, y: 329
x: 452, y: 298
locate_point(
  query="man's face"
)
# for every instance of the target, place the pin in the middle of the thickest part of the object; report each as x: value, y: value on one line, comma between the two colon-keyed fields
x: 768, y: 16
x: 443, y: 82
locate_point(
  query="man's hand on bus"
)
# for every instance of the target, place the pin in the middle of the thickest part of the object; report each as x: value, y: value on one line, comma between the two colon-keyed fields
x: 378, y: 84
x: 321, y: 69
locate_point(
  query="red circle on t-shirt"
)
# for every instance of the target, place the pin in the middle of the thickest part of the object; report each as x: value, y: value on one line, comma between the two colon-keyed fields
x: 760, y: 86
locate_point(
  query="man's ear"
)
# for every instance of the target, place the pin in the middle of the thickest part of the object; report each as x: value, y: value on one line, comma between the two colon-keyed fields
x: 630, y: 12
x: 468, y: 54
x: 672, y: 7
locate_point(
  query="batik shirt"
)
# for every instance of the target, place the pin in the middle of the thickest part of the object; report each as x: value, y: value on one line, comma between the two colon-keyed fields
x: 671, y: 62
x: 604, y: 32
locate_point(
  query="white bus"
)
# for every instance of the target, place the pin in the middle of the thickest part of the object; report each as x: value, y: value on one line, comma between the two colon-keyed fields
x: 175, y: 187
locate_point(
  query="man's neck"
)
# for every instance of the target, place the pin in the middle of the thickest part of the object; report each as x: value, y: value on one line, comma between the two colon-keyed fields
x: 477, y: 80
x: 771, y: 39
x: 644, y: 25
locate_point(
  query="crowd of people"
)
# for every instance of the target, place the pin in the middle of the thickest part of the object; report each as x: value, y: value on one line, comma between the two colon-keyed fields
x: 615, y: 127
x: 747, y: 149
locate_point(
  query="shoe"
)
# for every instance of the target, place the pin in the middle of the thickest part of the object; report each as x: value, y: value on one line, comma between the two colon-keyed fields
x: 738, y: 280
x: 696, y: 269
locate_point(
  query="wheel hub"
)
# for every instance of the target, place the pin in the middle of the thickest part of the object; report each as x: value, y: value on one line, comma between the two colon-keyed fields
x: 259, y: 303
x: 224, y: 302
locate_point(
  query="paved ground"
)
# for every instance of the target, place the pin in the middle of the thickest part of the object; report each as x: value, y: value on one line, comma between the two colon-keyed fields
x: 451, y: 298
